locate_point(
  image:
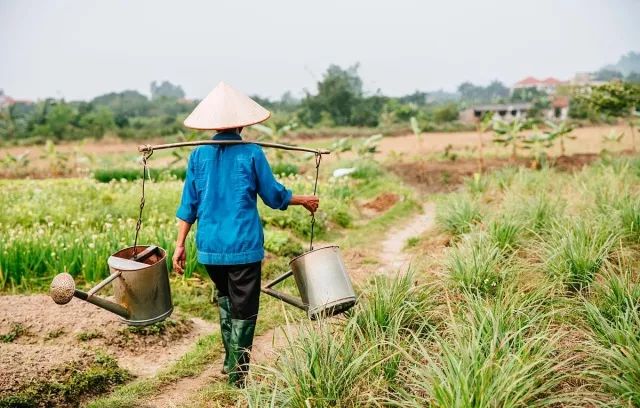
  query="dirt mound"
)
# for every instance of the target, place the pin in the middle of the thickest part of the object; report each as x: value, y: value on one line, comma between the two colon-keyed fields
x: 40, y: 337
x: 382, y: 202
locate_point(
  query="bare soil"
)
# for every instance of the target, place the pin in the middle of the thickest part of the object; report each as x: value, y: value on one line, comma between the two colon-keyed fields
x: 382, y: 202
x: 588, y: 140
x: 50, y: 337
x: 444, y: 176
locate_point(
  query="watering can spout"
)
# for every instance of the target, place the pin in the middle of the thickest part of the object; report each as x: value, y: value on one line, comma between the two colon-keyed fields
x: 293, y: 301
x: 63, y: 289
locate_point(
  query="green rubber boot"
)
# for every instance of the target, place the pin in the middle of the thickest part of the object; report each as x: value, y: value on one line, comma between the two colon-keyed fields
x: 224, y: 307
x: 240, y: 345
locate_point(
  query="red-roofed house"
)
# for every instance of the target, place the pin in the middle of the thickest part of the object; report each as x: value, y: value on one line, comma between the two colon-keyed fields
x: 547, y: 85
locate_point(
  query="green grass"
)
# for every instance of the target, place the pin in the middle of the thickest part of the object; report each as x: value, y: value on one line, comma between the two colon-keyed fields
x: 73, y: 225
x: 529, y: 307
x: 477, y: 266
x: 16, y: 331
x: 457, y: 215
x: 576, y: 252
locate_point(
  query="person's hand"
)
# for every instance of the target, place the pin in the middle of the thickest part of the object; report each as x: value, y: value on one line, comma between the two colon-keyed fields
x: 179, y: 259
x: 311, y: 203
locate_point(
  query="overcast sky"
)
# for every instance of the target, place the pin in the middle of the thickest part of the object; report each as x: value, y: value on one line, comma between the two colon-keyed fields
x: 80, y: 49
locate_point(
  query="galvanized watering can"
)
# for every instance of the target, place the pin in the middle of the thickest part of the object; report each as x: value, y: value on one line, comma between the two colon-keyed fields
x: 324, y: 286
x: 140, y: 286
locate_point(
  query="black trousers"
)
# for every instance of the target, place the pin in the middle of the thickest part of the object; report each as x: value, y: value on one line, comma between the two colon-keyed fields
x: 241, y: 283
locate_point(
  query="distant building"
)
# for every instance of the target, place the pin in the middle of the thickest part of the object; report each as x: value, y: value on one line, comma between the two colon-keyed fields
x: 5, y: 100
x: 507, y: 112
x: 502, y: 111
x: 547, y: 85
x: 585, y: 80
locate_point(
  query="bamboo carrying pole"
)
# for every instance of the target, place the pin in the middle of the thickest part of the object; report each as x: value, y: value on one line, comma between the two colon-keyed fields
x: 150, y: 148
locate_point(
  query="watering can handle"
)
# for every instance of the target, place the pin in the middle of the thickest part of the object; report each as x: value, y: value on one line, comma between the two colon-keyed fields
x: 283, y: 296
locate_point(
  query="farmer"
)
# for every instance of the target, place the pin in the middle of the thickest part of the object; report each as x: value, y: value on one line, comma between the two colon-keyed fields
x: 220, y: 191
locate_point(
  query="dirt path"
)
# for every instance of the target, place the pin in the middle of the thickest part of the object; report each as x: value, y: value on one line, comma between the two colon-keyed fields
x: 392, y: 259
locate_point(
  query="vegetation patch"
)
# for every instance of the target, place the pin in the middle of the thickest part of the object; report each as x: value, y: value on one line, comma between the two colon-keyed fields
x: 70, y: 385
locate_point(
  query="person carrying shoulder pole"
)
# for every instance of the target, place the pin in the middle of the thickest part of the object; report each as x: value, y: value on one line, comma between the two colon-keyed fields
x: 220, y: 192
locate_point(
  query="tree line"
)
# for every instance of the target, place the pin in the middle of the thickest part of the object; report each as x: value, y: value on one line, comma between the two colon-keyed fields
x: 339, y: 100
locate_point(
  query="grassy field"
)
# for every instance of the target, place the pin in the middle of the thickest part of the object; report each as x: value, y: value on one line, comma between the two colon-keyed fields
x: 535, y: 303
x: 527, y: 294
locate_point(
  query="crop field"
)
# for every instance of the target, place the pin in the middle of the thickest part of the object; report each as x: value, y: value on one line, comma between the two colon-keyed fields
x: 522, y: 286
x: 535, y: 301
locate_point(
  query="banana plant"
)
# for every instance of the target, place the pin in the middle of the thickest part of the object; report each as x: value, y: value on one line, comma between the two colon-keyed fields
x: 415, y: 128
x: 560, y: 131
x: 274, y: 131
x: 181, y: 154
x: 369, y: 146
x: 341, y: 145
x: 613, y: 137
x: 483, y: 125
x: 538, y: 143
x: 509, y: 134
x: 58, y: 161
x: 16, y: 161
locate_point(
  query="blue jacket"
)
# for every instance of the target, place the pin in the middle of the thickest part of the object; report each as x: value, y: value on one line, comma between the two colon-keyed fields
x: 220, y: 192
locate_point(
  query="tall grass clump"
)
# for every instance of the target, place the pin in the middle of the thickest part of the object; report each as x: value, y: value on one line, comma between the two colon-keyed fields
x: 489, y: 356
x: 323, y: 367
x: 577, y: 251
x: 477, y: 265
x: 458, y: 215
x: 391, y: 311
x: 630, y: 219
x: 505, y: 235
x: 614, y: 316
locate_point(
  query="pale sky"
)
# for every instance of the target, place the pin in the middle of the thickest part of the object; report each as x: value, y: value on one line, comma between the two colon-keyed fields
x: 78, y: 49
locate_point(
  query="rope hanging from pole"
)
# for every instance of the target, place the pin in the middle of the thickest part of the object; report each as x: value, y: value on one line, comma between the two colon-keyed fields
x: 315, y: 189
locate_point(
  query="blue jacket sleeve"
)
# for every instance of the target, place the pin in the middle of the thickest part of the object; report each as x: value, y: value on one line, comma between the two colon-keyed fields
x: 274, y: 194
x: 188, y: 209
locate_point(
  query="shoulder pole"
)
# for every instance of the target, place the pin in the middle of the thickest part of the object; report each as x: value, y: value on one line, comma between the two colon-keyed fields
x: 150, y: 148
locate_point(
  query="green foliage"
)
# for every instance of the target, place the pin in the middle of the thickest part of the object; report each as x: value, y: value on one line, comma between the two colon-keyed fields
x: 16, y: 331
x: 108, y: 175
x: 617, y: 99
x: 457, y: 215
x: 505, y: 234
x: 70, y: 386
x: 281, y: 243
x: 575, y: 253
x: 285, y: 169
x: 509, y: 134
x: 492, y: 355
x: 614, y: 316
x: 478, y: 266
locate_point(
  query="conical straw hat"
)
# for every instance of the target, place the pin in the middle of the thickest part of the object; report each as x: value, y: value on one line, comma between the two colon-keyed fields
x: 226, y: 108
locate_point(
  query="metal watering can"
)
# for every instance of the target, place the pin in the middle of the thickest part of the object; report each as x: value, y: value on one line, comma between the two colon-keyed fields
x: 324, y: 286
x: 140, y: 286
